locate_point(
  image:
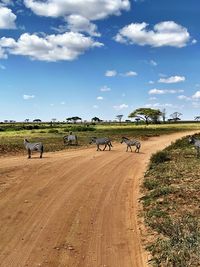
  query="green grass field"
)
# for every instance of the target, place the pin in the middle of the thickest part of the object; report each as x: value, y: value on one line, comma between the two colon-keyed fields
x: 171, y: 206
x: 11, y: 136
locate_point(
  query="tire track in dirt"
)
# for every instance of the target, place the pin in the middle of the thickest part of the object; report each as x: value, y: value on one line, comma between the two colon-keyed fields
x: 75, y: 208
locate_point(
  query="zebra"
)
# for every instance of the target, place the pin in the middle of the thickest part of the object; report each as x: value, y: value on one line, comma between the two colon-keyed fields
x: 196, y: 143
x: 101, y: 141
x: 68, y: 139
x: 131, y: 143
x: 33, y: 147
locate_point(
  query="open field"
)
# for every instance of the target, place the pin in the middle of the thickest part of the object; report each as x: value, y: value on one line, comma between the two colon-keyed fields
x: 12, y: 135
x: 75, y: 208
x: 172, y: 206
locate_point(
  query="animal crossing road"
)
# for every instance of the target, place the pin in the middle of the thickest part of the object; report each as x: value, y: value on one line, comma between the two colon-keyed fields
x: 74, y: 208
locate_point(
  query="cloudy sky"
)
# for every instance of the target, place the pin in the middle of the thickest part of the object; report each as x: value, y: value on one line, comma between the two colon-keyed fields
x: 62, y: 58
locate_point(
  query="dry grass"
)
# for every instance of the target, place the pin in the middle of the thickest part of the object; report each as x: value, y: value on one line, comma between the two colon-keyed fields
x: 172, y: 206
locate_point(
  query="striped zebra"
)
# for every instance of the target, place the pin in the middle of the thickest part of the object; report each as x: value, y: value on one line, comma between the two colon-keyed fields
x: 196, y: 143
x: 33, y: 147
x: 101, y: 141
x: 69, y: 139
x: 131, y: 143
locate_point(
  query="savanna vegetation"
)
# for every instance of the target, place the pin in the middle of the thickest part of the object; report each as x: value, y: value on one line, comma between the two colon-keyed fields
x: 171, y: 204
x: 12, y: 134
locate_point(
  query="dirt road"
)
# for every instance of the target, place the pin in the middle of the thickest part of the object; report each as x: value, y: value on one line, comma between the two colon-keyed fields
x: 74, y: 208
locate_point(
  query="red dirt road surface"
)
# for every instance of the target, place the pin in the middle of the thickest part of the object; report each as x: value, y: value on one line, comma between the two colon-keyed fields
x: 74, y: 208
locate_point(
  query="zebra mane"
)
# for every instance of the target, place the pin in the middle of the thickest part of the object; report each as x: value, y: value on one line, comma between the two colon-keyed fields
x: 123, y: 137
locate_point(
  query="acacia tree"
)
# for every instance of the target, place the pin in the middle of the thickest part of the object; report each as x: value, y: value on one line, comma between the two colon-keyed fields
x: 119, y: 117
x: 74, y: 119
x: 197, y: 118
x: 146, y: 114
x: 176, y: 116
x: 95, y: 119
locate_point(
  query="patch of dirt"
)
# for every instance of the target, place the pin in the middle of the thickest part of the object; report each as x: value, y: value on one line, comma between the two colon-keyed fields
x: 75, y: 208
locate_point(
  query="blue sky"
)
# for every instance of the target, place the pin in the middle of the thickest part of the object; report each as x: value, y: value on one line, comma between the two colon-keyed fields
x: 102, y: 58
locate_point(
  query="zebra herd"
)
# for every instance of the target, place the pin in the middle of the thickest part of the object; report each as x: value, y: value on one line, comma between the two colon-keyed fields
x: 69, y: 139
x: 106, y: 142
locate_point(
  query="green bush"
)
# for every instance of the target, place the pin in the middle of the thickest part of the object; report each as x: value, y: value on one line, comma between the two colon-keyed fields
x: 79, y: 129
x: 53, y: 131
x: 160, y: 157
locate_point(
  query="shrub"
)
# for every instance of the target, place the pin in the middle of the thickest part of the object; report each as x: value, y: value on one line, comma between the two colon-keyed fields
x: 79, y: 129
x: 160, y: 157
x: 53, y: 131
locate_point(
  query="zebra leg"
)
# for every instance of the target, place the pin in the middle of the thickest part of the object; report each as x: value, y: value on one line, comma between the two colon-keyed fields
x: 127, y: 149
x: 110, y: 146
x: 131, y: 149
x: 98, y: 148
x: 105, y: 147
x: 29, y: 153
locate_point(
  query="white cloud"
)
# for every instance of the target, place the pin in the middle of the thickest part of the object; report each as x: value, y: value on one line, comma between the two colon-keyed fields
x: 99, y: 97
x: 151, y: 82
x: 7, y: 18
x: 111, y: 73
x: 62, y: 103
x: 166, y: 33
x: 2, y: 53
x: 194, y: 41
x: 28, y: 97
x: 172, y: 79
x: 153, y: 63
x: 95, y: 106
x: 67, y: 46
x: 183, y: 97
x: 7, y: 2
x: 78, y: 23
x: 120, y: 107
x: 90, y: 9
x: 164, y: 91
x: 129, y: 74
x: 105, y: 88
x: 164, y: 105
x: 159, y: 105
x: 196, y: 95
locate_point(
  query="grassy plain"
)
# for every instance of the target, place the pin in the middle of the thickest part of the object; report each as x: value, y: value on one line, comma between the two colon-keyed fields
x: 172, y: 206
x: 12, y: 135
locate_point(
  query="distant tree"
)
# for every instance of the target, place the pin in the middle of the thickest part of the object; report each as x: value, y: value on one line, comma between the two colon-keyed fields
x: 95, y: 119
x: 37, y: 120
x: 197, y: 118
x: 74, y: 119
x: 119, y: 117
x: 176, y: 116
x: 146, y: 114
x: 54, y: 120
x: 164, y: 115
x: 26, y: 120
x: 137, y: 120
